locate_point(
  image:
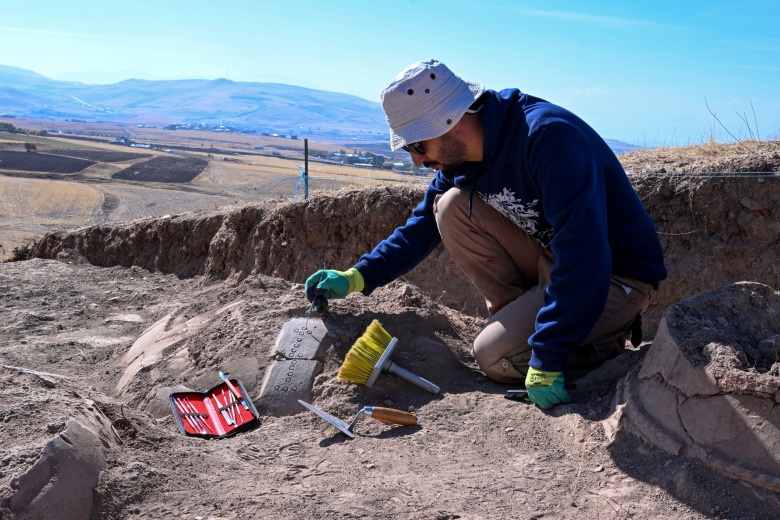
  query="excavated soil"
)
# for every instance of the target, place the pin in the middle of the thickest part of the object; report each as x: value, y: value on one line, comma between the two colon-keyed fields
x: 85, y: 435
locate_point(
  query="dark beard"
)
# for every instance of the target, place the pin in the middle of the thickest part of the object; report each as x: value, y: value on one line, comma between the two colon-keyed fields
x: 448, y: 173
x: 452, y: 155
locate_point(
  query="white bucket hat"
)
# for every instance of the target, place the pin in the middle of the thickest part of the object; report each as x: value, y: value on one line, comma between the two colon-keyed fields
x: 424, y: 101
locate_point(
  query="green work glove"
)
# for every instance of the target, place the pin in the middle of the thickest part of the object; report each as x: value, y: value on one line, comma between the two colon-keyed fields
x: 546, y: 389
x: 330, y: 284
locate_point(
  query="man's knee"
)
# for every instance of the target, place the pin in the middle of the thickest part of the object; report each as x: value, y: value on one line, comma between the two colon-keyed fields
x: 449, y: 205
x: 496, y: 363
x: 502, y: 371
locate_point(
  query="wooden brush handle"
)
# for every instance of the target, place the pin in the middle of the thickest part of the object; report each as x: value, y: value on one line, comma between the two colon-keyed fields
x: 390, y: 415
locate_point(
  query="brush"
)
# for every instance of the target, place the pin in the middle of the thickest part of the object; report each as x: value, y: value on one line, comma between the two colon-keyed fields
x: 370, y: 356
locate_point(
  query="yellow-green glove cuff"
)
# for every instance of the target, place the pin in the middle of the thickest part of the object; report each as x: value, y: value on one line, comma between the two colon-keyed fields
x: 537, y: 378
x: 545, y: 389
x: 356, y: 282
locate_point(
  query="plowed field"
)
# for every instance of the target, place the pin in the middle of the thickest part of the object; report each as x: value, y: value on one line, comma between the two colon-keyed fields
x: 41, y: 162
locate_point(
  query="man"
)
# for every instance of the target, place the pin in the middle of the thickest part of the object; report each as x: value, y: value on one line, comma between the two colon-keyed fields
x: 538, y: 212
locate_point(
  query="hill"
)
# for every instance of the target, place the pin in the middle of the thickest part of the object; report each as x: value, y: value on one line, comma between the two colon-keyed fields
x: 258, y: 106
x: 272, y: 107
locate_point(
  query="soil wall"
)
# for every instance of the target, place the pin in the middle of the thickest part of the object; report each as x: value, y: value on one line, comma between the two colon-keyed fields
x: 715, y: 230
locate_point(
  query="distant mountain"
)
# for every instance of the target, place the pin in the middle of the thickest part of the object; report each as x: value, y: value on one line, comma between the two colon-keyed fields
x: 99, y: 77
x: 620, y: 147
x: 261, y: 106
x: 273, y: 107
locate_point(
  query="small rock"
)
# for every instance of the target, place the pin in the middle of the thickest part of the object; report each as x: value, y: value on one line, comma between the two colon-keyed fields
x: 509, y: 429
x: 598, y: 469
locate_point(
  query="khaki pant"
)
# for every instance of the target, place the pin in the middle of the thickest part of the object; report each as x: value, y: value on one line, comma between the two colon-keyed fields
x: 512, y: 270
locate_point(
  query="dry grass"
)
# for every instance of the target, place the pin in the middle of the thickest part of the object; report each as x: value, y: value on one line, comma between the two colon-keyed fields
x: 235, y: 142
x: 30, y: 207
x: 708, y: 157
x: 16, y: 141
x: 244, y: 170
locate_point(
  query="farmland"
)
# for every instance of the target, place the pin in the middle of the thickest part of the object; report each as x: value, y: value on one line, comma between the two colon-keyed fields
x: 30, y: 207
x: 72, y: 179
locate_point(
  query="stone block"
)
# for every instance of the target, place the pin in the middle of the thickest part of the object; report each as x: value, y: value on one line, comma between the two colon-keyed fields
x: 299, y: 350
x: 285, y: 382
x: 301, y: 340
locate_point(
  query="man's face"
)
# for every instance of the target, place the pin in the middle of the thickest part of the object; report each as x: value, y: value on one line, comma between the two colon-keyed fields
x: 446, y: 153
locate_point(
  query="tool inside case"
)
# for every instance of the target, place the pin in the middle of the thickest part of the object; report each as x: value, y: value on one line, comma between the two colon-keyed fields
x: 221, y: 411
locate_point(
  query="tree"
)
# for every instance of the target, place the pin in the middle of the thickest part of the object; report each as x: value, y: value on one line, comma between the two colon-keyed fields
x: 30, y: 147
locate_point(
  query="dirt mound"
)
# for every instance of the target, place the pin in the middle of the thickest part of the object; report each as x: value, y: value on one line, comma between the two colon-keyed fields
x: 710, y: 386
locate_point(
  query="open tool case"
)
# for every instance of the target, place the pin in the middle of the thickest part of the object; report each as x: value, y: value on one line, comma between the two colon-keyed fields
x: 214, y: 413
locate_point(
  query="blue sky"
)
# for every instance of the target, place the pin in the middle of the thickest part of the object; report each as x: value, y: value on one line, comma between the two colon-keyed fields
x: 636, y: 71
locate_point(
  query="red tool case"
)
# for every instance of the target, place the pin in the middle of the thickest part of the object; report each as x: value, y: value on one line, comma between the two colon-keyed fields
x: 214, y: 413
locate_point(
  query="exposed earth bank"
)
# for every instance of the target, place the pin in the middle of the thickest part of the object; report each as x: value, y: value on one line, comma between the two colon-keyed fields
x: 714, y: 230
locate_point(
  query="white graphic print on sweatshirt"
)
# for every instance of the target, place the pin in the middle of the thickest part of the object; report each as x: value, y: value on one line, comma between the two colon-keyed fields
x: 524, y: 216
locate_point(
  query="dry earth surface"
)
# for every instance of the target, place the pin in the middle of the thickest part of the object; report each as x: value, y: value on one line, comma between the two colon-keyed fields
x: 86, y: 432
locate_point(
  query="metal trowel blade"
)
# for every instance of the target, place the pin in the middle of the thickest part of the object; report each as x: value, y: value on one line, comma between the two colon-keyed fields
x: 338, y: 423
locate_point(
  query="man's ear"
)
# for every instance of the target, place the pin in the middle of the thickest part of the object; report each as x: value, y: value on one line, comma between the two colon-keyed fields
x: 457, y: 128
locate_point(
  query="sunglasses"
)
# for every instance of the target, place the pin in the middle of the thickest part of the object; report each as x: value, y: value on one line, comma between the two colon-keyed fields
x: 415, y: 148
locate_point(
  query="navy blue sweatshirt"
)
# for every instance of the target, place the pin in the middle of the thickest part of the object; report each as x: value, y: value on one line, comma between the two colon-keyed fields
x: 556, y: 178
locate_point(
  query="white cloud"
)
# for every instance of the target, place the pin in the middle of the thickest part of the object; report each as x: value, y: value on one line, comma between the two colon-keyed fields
x: 593, y: 19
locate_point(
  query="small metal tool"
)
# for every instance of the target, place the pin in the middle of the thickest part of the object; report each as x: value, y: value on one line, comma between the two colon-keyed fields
x: 235, y: 409
x: 228, y: 406
x: 233, y: 390
x: 316, y: 298
x: 387, y: 415
x: 517, y: 395
x: 338, y: 423
x: 198, y: 417
x: 223, y: 411
x: 197, y: 428
x: 311, y: 308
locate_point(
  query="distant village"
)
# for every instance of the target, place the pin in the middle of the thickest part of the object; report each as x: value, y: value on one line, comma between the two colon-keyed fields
x: 359, y: 159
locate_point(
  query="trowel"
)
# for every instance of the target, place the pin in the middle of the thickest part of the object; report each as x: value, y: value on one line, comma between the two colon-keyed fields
x: 388, y: 415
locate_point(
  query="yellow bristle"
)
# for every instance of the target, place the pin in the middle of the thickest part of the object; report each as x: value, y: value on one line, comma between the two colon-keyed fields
x: 364, y: 354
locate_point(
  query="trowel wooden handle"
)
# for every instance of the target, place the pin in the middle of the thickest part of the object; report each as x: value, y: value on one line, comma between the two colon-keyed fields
x: 390, y: 415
